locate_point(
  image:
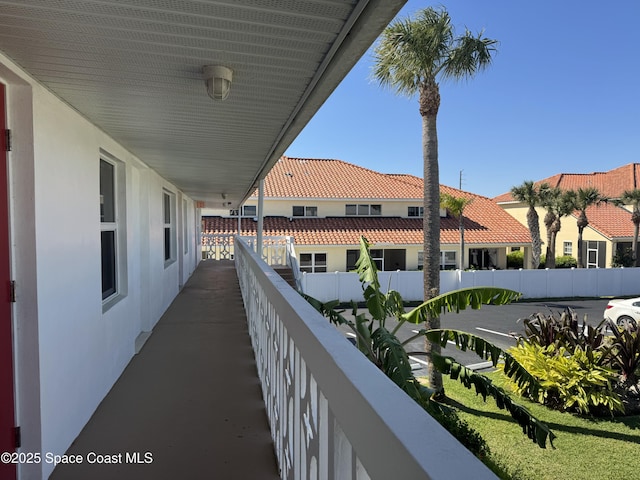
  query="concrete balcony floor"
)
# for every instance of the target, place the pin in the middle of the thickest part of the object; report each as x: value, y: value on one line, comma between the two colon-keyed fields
x: 191, y: 397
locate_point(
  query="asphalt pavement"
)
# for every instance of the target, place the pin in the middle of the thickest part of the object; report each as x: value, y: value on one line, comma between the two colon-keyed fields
x: 499, y: 325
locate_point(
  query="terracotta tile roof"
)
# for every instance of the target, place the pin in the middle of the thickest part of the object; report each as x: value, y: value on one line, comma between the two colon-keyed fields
x: 611, y: 221
x: 611, y: 183
x: 322, y: 178
x: 485, y: 223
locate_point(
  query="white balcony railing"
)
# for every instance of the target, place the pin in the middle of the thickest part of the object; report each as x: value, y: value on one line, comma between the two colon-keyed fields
x: 332, y: 413
x: 220, y: 246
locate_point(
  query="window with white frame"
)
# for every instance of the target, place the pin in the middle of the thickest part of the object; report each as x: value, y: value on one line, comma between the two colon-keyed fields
x: 112, y: 229
x: 313, y: 262
x: 247, y: 211
x: 415, y: 212
x: 447, y: 260
x: 363, y: 210
x: 169, y: 222
x: 185, y: 225
x: 304, y: 211
x: 567, y: 248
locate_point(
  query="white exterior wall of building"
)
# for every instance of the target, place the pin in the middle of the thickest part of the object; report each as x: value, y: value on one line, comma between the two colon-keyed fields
x: 68, y: 352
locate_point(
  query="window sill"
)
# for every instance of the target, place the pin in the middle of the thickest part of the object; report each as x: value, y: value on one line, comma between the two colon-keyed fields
x: 108, y: 303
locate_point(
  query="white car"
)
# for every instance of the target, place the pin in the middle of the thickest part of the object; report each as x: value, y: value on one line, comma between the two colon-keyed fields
x: 624, y: 311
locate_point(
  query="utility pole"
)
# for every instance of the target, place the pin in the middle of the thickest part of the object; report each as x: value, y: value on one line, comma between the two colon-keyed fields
x: 460, y: 184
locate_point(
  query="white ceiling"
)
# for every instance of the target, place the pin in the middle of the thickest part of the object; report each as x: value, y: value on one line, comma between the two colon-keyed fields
x: 134, y: 68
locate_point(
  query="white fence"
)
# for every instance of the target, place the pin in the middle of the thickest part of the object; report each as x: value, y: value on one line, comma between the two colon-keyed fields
x: 332, y: 413
x: 552, y: 283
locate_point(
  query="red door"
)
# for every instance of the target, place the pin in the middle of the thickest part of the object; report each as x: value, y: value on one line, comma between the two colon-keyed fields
x: 7, y: 421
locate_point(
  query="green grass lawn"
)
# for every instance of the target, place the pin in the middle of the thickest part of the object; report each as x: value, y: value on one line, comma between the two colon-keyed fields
x: 600, y: 448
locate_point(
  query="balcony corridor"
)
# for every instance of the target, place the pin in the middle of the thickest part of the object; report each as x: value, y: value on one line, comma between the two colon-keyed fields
x: 191, y: 397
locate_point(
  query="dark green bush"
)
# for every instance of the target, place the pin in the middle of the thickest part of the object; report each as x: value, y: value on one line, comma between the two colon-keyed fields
x: 623, y: 258
x: 543, y: 261
x: 566, y: 261
x: 515, y: 259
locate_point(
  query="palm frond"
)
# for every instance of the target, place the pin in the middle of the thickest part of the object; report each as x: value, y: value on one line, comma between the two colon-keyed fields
x: 411, y: 52
x: 457, y: 300
x: 470, y: 55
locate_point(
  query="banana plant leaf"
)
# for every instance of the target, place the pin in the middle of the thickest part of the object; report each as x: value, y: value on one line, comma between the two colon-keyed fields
x: 457, y: 300
x: 487, y: 351
x: 536, y: 430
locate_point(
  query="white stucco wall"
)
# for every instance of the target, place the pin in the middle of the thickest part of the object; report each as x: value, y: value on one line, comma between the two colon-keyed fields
x: 68, y: 351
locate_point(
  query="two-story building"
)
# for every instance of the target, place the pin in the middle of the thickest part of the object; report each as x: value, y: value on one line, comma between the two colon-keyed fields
x: 326, y: 205
x: 610, y: 228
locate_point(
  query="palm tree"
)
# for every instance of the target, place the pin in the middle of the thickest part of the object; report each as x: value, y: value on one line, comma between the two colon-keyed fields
x: 411, y: 56
x: 455, y: 206
x: 558, y: 204
x: 530, y: 194
x: 632, y: 197
x: 583, y: 199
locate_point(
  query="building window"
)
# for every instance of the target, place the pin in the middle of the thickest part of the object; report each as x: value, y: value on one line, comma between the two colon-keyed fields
x: 377, y: 255
x: 247, y: 211
x: 363, y: 210
x: 301, y: 211
x: 567, y: 248
x: 447, y: 261
x: 313, y: 262
x: 415, y: 212
x: 112, y: 229
x: 185, y: 225
x: 168, y: 215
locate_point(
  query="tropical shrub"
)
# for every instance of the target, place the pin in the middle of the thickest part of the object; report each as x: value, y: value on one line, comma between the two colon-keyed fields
x: 590, y: 354
x: 623, y: 258
x: 625, y: 353
x: 515, y: 259
x: 566, y: 261
x: 573, y: 382
x: 564, y: 331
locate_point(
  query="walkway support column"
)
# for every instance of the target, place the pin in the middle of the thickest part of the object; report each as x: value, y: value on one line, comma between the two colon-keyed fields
x: 260, y: 218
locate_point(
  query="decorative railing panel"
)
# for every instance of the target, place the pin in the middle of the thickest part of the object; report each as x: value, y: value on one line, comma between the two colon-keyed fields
x: 219, y: 246
x: 332, y: 413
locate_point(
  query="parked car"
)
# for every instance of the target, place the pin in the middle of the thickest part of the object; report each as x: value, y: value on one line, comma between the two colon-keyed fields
x: 624, y: 311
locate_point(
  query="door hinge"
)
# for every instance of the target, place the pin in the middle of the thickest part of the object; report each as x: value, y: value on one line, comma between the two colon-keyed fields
x: 12, y: 291
x: 7, y: 140
x: 17, y: 437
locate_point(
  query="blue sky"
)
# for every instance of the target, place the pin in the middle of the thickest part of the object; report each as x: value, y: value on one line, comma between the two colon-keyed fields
x: 563, y: 95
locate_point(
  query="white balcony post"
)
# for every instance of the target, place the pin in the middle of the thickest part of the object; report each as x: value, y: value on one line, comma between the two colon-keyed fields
x: 260, y: 218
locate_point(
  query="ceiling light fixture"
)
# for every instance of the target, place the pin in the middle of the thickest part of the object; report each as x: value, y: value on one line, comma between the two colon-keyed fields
x: 218, y: 80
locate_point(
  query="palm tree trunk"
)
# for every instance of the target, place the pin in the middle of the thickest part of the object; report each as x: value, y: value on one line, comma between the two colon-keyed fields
x: 635, y: 218
x: 549, y: 218
x: 536, y: 242
x: 429, y: 103
x: 582, y: 223
x: 551, y: 256
x: 634, y: 247
x: 580, y: 255
x: 461, y: 242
